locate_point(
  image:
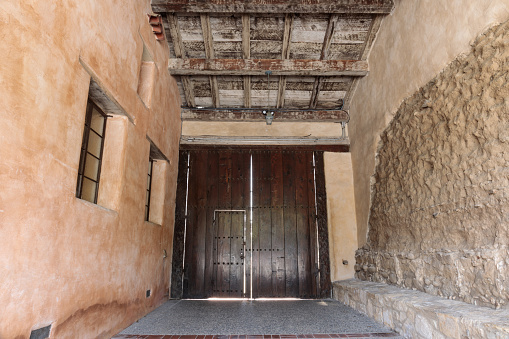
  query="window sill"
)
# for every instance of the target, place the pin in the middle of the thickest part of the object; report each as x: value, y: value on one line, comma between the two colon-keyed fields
x: 152, y: 223
x: 91, y: 204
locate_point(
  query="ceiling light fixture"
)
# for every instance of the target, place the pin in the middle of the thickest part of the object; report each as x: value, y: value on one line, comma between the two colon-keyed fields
x: 269, y: 115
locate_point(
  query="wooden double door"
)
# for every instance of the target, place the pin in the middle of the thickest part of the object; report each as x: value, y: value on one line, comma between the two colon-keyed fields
x: 246, y: 225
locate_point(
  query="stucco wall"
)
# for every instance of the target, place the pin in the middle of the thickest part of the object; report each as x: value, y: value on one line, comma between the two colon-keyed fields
x: 249, y: 129
x: 340, y: 214
x: 414, y: 44
x: 440, y: 212
x: 79, y: 266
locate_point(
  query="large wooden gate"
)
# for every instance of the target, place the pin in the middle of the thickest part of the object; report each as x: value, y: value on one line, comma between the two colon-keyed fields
x: 246, y: 225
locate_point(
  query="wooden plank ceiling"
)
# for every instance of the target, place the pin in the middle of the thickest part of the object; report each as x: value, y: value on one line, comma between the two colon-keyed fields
x: 315, y: 50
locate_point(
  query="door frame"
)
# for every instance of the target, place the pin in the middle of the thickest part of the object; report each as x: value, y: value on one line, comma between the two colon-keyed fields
x: 244, y: 232
x: 177, y: 276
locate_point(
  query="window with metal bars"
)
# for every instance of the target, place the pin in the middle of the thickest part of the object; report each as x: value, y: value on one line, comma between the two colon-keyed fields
x: 92, y: 146
x: 149, y: 187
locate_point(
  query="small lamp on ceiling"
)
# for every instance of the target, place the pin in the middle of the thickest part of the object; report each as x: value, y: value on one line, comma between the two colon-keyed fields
x: 269, y: 116
x: 268, y: 113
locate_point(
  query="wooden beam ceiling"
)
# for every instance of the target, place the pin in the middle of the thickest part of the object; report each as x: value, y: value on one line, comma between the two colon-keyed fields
x: 275, y: 6
x: 209, y: 53
x: 256, y: 115
x: 246, y: 54
x: 316, y: 50
x: 285, y: 54
x: 373, y: 30
x: 178, y: 46
x: 323, y: 56
x: 258, y: 67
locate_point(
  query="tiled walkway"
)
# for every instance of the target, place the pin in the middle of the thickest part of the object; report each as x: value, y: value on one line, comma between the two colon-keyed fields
x: 267, y: 319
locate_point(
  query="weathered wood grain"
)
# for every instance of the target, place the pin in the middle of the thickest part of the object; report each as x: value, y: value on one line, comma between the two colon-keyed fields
x: 246, y: 54
x: 274, y: 6
x: 256, y: 115
x: 260, y: 66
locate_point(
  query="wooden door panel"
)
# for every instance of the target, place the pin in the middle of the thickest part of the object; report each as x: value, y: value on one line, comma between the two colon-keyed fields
x: 237, y: 255
x: 210, y: 207
x: 282, y: 260
x: 290, y: 225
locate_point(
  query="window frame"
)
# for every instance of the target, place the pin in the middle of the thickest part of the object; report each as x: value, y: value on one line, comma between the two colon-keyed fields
x: 148, y: 192
x: 84, y: 150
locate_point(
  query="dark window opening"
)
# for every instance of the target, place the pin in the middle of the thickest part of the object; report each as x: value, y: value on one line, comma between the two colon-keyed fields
x: 149, y: 187
x: 92, y: 146
x: 41, y: 333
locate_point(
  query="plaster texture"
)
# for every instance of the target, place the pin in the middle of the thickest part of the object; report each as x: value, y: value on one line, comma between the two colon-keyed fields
x: 256, y: 129
x: 413, y: 45
x: 440, y: 212
x: 83, y: 268
x: 340, y: 214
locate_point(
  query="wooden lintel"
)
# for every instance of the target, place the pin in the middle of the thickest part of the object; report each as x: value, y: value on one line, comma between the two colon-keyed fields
x: 274, y: 6
x: 187, y: 143
x: 296, y: 67
x: 204, y: 114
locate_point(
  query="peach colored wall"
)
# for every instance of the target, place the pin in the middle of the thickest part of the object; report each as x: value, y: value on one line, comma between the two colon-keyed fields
x: 277, y: 129
x: 340, y: 214
x: 413, y: 45
x: 63, y: 261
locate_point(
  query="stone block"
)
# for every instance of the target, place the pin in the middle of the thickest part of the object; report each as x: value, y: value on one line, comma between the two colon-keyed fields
x: 448, y: 325
x: 423, y: 326
x: 418, y: 315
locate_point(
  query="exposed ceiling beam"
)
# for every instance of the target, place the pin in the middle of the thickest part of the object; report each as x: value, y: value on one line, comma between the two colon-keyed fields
x: 204, y: 142
x: 285, y: 54
x: 204, y: 114
x: 297, y: 67
x: 188, y: 86
x: 329, y: 33
x: 324, y: 55
x: 373, y: 30
x: 246, y: 54
x: 274, y: 6
x: 178, y: 46
x: 209, y: 54
x: 314, y: 93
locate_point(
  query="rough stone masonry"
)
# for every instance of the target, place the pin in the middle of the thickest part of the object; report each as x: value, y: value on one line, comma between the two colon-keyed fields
x: 439, y: 219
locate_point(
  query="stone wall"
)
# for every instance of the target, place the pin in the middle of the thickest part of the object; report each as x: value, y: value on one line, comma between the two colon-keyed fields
x: 415, y: 42
x: 440, y: 207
